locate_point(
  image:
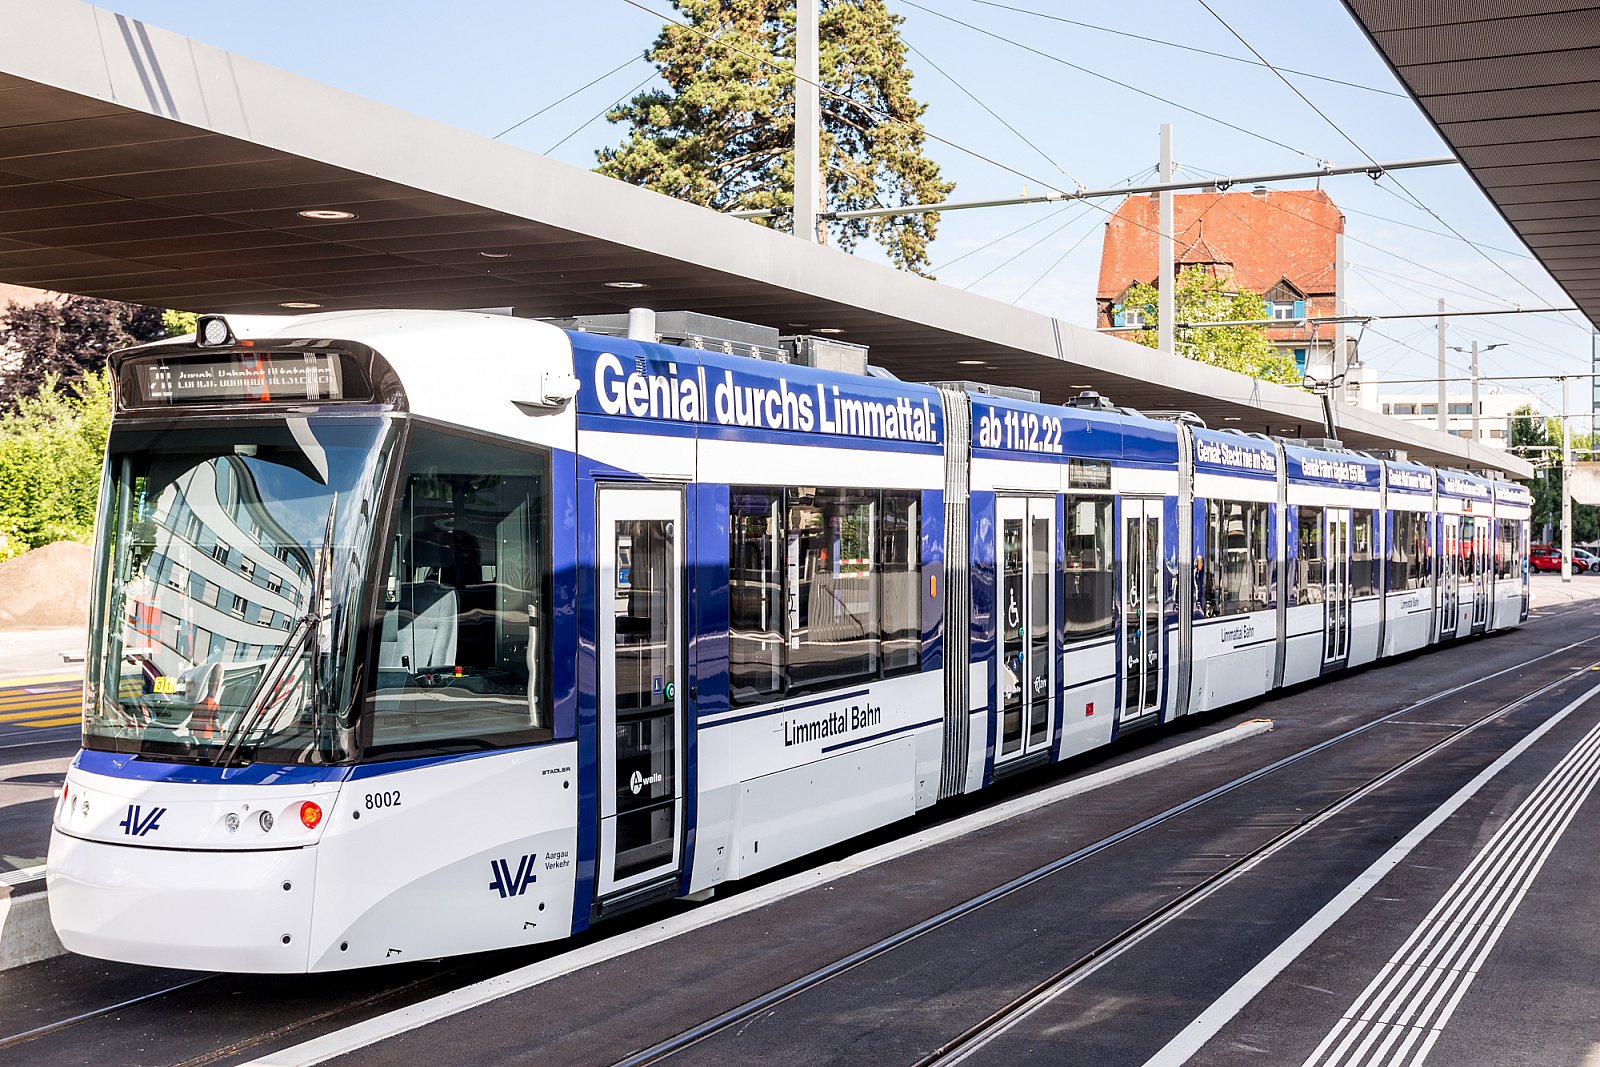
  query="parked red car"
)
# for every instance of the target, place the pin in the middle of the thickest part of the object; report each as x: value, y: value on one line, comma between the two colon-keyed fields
x: 1544, y: 558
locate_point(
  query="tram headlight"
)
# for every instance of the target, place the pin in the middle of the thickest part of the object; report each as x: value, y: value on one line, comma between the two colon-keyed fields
x: 212, y: 331
x: 310, y: 814
x: 264, y: 818
x: 231, y: 821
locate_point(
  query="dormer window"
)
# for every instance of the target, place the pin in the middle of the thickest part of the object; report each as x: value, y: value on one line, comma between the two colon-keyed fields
x: 1133, y: 316
x: 1283, y: 309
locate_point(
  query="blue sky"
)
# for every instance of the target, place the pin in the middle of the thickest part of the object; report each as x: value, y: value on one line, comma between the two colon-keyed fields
x: 484, y: 66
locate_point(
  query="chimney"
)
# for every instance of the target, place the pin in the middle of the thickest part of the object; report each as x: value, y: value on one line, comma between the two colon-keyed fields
x: 1259, y: 191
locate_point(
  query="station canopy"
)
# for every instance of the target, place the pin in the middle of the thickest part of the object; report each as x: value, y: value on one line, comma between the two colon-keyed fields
x: 1513, y: 86
x: 140, y: 165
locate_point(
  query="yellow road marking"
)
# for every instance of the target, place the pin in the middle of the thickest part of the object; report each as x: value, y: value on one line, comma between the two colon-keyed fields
x: 40, y: 679
x: 54, y: 722
x: 37, y: 700
x: 28, y: 716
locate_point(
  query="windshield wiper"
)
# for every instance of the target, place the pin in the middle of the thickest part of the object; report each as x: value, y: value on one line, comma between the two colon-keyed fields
x: 270, y: 677
x: 307, y: 632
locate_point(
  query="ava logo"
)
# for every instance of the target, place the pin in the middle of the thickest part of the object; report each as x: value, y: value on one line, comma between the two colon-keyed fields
x: 638, y: 781
x: 514, y: 885
x: 136, y: 825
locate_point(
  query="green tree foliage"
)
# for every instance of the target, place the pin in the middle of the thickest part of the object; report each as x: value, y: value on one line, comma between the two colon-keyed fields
x: 1538, y: 440
x: 1202, y: 297
x: 178, y: 323
x: 721, y: 133
x: 51, y: 449
x: 68, y: 338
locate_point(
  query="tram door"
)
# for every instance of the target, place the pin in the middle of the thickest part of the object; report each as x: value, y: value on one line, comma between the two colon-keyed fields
x: 1027, y: 609
x: 1482, y: 564
x: 1449, y: 565
x: 641, y: 679
x: 1336, y: 599
x: 1141, y: 608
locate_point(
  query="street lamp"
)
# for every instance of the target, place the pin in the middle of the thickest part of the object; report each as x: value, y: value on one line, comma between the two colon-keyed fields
x: 1474, y: 350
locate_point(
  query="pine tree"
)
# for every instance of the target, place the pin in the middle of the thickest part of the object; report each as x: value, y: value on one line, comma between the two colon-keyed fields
x: 721, y: 133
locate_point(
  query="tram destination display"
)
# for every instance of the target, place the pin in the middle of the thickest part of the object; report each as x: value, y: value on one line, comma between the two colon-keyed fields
x: 265, y: 377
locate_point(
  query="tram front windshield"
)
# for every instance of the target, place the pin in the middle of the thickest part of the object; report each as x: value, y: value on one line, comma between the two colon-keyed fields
x: 228, y: 587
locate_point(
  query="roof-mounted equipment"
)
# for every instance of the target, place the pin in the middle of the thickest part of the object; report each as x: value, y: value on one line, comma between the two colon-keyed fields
x: 1009, y: 392
x: 1091, y: 400
x: 824, y: 353
x: 690, y: 329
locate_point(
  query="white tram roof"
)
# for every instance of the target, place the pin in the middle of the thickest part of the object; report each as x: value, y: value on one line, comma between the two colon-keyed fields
x: 141, y: 165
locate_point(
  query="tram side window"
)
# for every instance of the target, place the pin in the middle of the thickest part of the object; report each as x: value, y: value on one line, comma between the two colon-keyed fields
x: 1309, y: 571
x: 1506, y: 555
x: 755, y: 594
x: 1408, y: 556
x: 824, y: 588
x: 900, y: 575
x: 833, y: 621
x: 1363, y: 554
x: 1234, y: 572
x: 1090, y: 573
x: 462, y: 622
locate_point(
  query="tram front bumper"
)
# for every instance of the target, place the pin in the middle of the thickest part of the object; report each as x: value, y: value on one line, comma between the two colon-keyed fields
x: 197, y: 910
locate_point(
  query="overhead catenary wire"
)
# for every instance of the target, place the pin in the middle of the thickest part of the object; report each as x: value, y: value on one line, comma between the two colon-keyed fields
x: 1352, y: 141
x: 1184, y: 47
x: 1024, y: 251
x: 993, y: 113
x: 601, y: 113
x: 1057, y: 262
x: 1067, y: 206
x: 1107, y: 78
x: 1402, y: 280
x: 557, y: 103
x: 770, y: 62
x: 1374, y: 215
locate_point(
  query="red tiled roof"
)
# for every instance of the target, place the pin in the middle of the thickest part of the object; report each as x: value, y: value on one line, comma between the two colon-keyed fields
x: 1281, y: 234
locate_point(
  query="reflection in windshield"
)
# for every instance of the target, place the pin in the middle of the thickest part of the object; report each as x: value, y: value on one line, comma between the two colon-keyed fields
x: 218, y: 540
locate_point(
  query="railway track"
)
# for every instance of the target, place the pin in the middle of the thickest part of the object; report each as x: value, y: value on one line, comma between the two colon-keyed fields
x: 179, y: 996
x: 977, y: 1036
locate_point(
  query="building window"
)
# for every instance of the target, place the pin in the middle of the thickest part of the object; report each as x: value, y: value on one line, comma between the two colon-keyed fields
x: 1430, y: 409
x: 1460, y: 409
x: 1133, y: 317
x: 1283, y: 309
x: 1498, y: 435
x: 219, y: 552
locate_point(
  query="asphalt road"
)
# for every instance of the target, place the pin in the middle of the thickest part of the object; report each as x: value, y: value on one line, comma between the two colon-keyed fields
x: 904, y: 1004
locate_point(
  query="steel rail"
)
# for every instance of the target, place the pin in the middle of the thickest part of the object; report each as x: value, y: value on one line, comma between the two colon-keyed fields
x: 756, y: 1005
x: 999, y: 1022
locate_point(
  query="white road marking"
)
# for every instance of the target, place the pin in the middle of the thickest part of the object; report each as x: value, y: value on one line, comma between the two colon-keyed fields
x: 1204, y: 1027
x: 402, y: 1020
x: 26, y: 874
x: 1406, y: 1007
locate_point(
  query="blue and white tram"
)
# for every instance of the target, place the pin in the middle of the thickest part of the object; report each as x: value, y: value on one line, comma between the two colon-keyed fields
x: 423, y: 633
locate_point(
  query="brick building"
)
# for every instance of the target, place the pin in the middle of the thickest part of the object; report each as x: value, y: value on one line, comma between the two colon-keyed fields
x: 1280, y: 244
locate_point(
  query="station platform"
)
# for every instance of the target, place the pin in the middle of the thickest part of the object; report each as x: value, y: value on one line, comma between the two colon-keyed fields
x: 1400, y: 865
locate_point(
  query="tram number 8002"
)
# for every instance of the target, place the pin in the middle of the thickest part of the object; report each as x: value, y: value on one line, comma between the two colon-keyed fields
x: 387, y: 799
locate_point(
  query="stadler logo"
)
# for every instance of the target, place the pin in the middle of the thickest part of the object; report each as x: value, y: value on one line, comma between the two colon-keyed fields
x: 639, y: 781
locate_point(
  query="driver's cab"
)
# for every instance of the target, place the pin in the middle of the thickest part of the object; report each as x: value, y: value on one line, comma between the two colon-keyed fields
x: 459, y: 615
